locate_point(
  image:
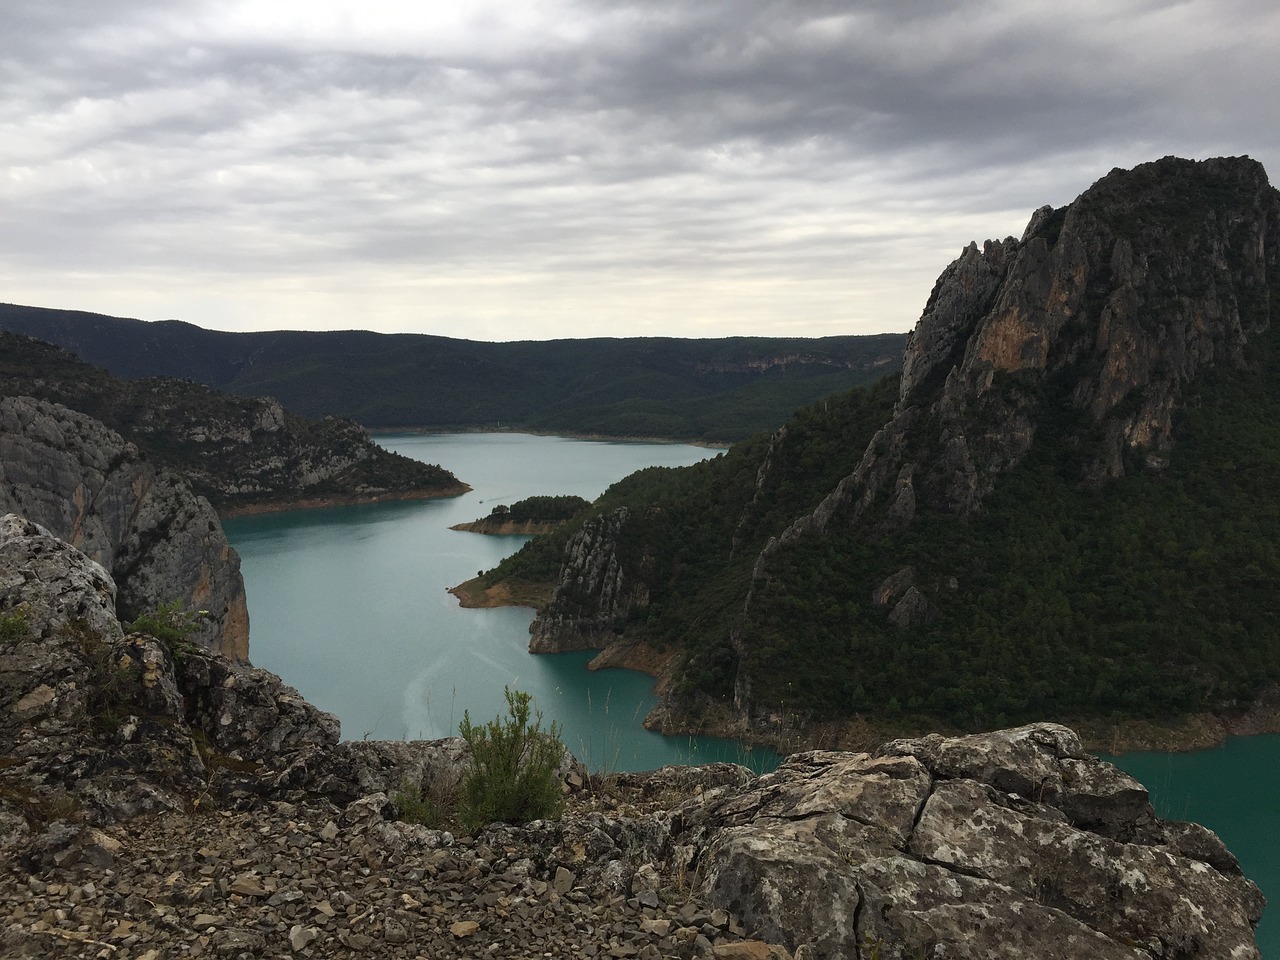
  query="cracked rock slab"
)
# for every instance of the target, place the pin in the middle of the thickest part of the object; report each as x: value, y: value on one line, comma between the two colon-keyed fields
x: 1010, y: 844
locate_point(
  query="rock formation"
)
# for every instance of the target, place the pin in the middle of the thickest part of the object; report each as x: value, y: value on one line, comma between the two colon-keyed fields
x: 267, y: 836
x: 1009, y: 844
x: 161, y: 542
x: 1148, y: 278
x: 593, y: 593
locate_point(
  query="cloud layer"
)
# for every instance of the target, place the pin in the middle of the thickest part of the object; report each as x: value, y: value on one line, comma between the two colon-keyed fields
x: 521, y: 170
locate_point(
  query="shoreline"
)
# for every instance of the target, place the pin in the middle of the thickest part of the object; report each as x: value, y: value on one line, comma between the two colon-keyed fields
x: 508, y: 528
x: 337, y: 500
x: 1198, y: 731
x: 567, y: 435
x: 471, y: 596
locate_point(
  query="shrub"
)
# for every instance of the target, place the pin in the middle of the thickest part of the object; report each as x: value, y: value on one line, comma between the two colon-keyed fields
x: 172, y: 624
x: 431, y: 803
x: 514, y: 767
x: 414, y: 806
x: 14, y: 627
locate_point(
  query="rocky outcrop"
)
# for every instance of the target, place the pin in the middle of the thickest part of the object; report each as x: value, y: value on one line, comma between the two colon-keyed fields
x: 1044, y: 517
x: 124, y: 724
x: 160, y: 541
x: 1110, y: 306
x: 1007, y: 844
x: 242, y: 454
x: 1081, y: 336
x: 594, y: 592
x: 1010, y: 844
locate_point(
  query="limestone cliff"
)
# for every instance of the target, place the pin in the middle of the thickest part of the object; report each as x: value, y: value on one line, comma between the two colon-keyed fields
x: 243, y: 454
x: 1064, y: 507
x: 594, y: 593
x: 115, y: 752
x: 1148, y: 278
x: 160, y: 541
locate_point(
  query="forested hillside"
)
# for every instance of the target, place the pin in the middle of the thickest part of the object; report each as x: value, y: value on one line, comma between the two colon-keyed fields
x: 712, y: 390
x: 1065, y: 508
x: 242, y: 453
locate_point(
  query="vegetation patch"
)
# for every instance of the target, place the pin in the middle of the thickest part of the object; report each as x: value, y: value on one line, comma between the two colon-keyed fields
x: 15, y: 627
x: 515, y: 764
x: 172, y: 623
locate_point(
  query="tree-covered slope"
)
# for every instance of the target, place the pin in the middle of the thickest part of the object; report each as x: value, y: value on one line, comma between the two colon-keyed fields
x: 717, y: 390
x: 239, y: 452
x: 1066, y: 508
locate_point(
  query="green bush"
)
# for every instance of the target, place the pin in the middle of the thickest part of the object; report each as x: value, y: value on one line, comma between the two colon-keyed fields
x: 413, y: 805
x: 514, y: 767
x: 14, y: 627
x: 172, y: 624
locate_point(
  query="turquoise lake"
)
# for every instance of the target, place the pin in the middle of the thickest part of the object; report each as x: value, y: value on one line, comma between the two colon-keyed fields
x: 348, y: 604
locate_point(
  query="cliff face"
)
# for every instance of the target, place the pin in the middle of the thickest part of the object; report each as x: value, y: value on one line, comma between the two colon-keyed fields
x: 240, y: 453
x: 1111, y: 305
x: 1080, y: 444
x: 115, y: 752
x: 160, y: 541
x: 594, y: 593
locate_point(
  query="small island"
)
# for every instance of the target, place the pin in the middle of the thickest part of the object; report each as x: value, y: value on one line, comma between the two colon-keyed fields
x: 530, y: 517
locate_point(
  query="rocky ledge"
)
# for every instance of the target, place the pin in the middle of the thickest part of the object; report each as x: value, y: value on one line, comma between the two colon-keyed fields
x: 171, y: 803
x: 161, y: 542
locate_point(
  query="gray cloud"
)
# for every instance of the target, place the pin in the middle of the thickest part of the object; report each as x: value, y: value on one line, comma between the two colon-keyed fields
x: 504, y: 170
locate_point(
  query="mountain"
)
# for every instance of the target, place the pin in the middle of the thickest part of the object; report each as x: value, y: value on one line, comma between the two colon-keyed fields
x: 1064, y: 508
x: 243, y: 454
x: 712, y: 390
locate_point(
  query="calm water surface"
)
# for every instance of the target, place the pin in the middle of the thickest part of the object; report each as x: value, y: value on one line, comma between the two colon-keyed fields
x: 348, y: 604
x: 1233, y: 790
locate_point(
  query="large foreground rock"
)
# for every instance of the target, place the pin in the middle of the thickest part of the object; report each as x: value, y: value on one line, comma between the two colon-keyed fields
x: 1009, y: 844
x: 109, y: 725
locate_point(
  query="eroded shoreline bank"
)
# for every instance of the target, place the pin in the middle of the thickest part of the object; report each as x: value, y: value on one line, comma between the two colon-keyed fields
x: 1198, y: 731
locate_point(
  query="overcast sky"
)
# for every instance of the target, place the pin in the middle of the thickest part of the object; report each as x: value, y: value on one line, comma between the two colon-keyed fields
x: 528, y: 169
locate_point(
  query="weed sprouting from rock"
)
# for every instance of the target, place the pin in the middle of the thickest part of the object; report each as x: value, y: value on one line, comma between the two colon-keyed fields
x: 172, y: 624
x: 14, y: 627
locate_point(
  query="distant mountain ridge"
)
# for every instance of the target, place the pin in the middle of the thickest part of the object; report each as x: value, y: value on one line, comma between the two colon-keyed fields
x: 711, y: 390
x: 1065, y: 508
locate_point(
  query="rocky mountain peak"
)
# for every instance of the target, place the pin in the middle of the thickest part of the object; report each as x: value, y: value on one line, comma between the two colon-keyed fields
x: 1105, y: 308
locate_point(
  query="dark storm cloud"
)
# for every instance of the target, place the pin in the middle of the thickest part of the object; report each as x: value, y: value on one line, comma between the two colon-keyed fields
x: 778, y: 166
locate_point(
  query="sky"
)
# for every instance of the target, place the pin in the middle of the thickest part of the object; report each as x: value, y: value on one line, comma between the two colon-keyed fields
x: 535, y: 169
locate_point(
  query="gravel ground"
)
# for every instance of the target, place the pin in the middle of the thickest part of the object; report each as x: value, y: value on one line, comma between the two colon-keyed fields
x: 311, y: 880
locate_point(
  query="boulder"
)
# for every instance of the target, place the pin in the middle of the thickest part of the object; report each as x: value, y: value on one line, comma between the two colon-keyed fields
x: 1009, y: 844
